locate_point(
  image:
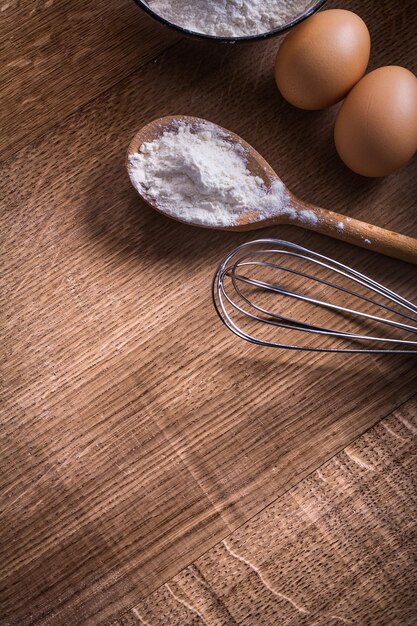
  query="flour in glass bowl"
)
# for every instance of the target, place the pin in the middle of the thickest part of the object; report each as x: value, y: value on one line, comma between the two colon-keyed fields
x: 230, y: 18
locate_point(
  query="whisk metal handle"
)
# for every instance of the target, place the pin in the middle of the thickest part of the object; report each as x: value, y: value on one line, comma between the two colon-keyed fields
x: 356, y: 232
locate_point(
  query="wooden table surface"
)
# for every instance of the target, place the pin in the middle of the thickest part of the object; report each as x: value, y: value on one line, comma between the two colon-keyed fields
x: 153, y: 468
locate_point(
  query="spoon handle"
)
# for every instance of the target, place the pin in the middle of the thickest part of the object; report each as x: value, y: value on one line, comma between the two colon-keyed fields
x: 355, y: 232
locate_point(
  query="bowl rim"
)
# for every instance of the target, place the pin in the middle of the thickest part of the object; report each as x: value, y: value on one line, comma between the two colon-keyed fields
x: 258, y: 37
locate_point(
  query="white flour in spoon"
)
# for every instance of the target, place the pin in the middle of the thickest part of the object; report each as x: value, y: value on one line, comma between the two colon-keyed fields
x: 229, y: 18
x: 196, y: 174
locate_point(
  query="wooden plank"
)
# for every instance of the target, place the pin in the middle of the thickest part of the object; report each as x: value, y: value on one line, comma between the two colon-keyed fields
x: 339, y: 548
x: 56, y: 56
x: 136, y: 431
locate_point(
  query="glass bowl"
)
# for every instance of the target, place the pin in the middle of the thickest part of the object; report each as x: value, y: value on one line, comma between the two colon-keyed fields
x: 311, y: 8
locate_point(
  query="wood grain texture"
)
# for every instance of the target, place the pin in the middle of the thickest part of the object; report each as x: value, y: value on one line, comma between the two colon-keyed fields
x: 56, y: 56
x: 339, y: 548
x: 136, y: 432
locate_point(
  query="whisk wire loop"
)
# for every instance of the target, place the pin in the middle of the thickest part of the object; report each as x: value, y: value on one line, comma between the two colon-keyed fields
x: 230, y: 301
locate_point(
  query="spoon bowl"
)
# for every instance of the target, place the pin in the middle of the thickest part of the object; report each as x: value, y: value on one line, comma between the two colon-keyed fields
x: 256, y: 164
x: 296, y: 212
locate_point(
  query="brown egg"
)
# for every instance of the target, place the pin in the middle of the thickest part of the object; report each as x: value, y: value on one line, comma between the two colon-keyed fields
x: 376, y: 128
x: 322, y: 59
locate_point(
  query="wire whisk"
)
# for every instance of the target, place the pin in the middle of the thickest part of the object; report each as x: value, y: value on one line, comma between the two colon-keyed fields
x: 267, y: 291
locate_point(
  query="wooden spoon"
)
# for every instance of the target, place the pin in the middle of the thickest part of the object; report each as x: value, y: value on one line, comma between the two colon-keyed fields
x: 300, y: 214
